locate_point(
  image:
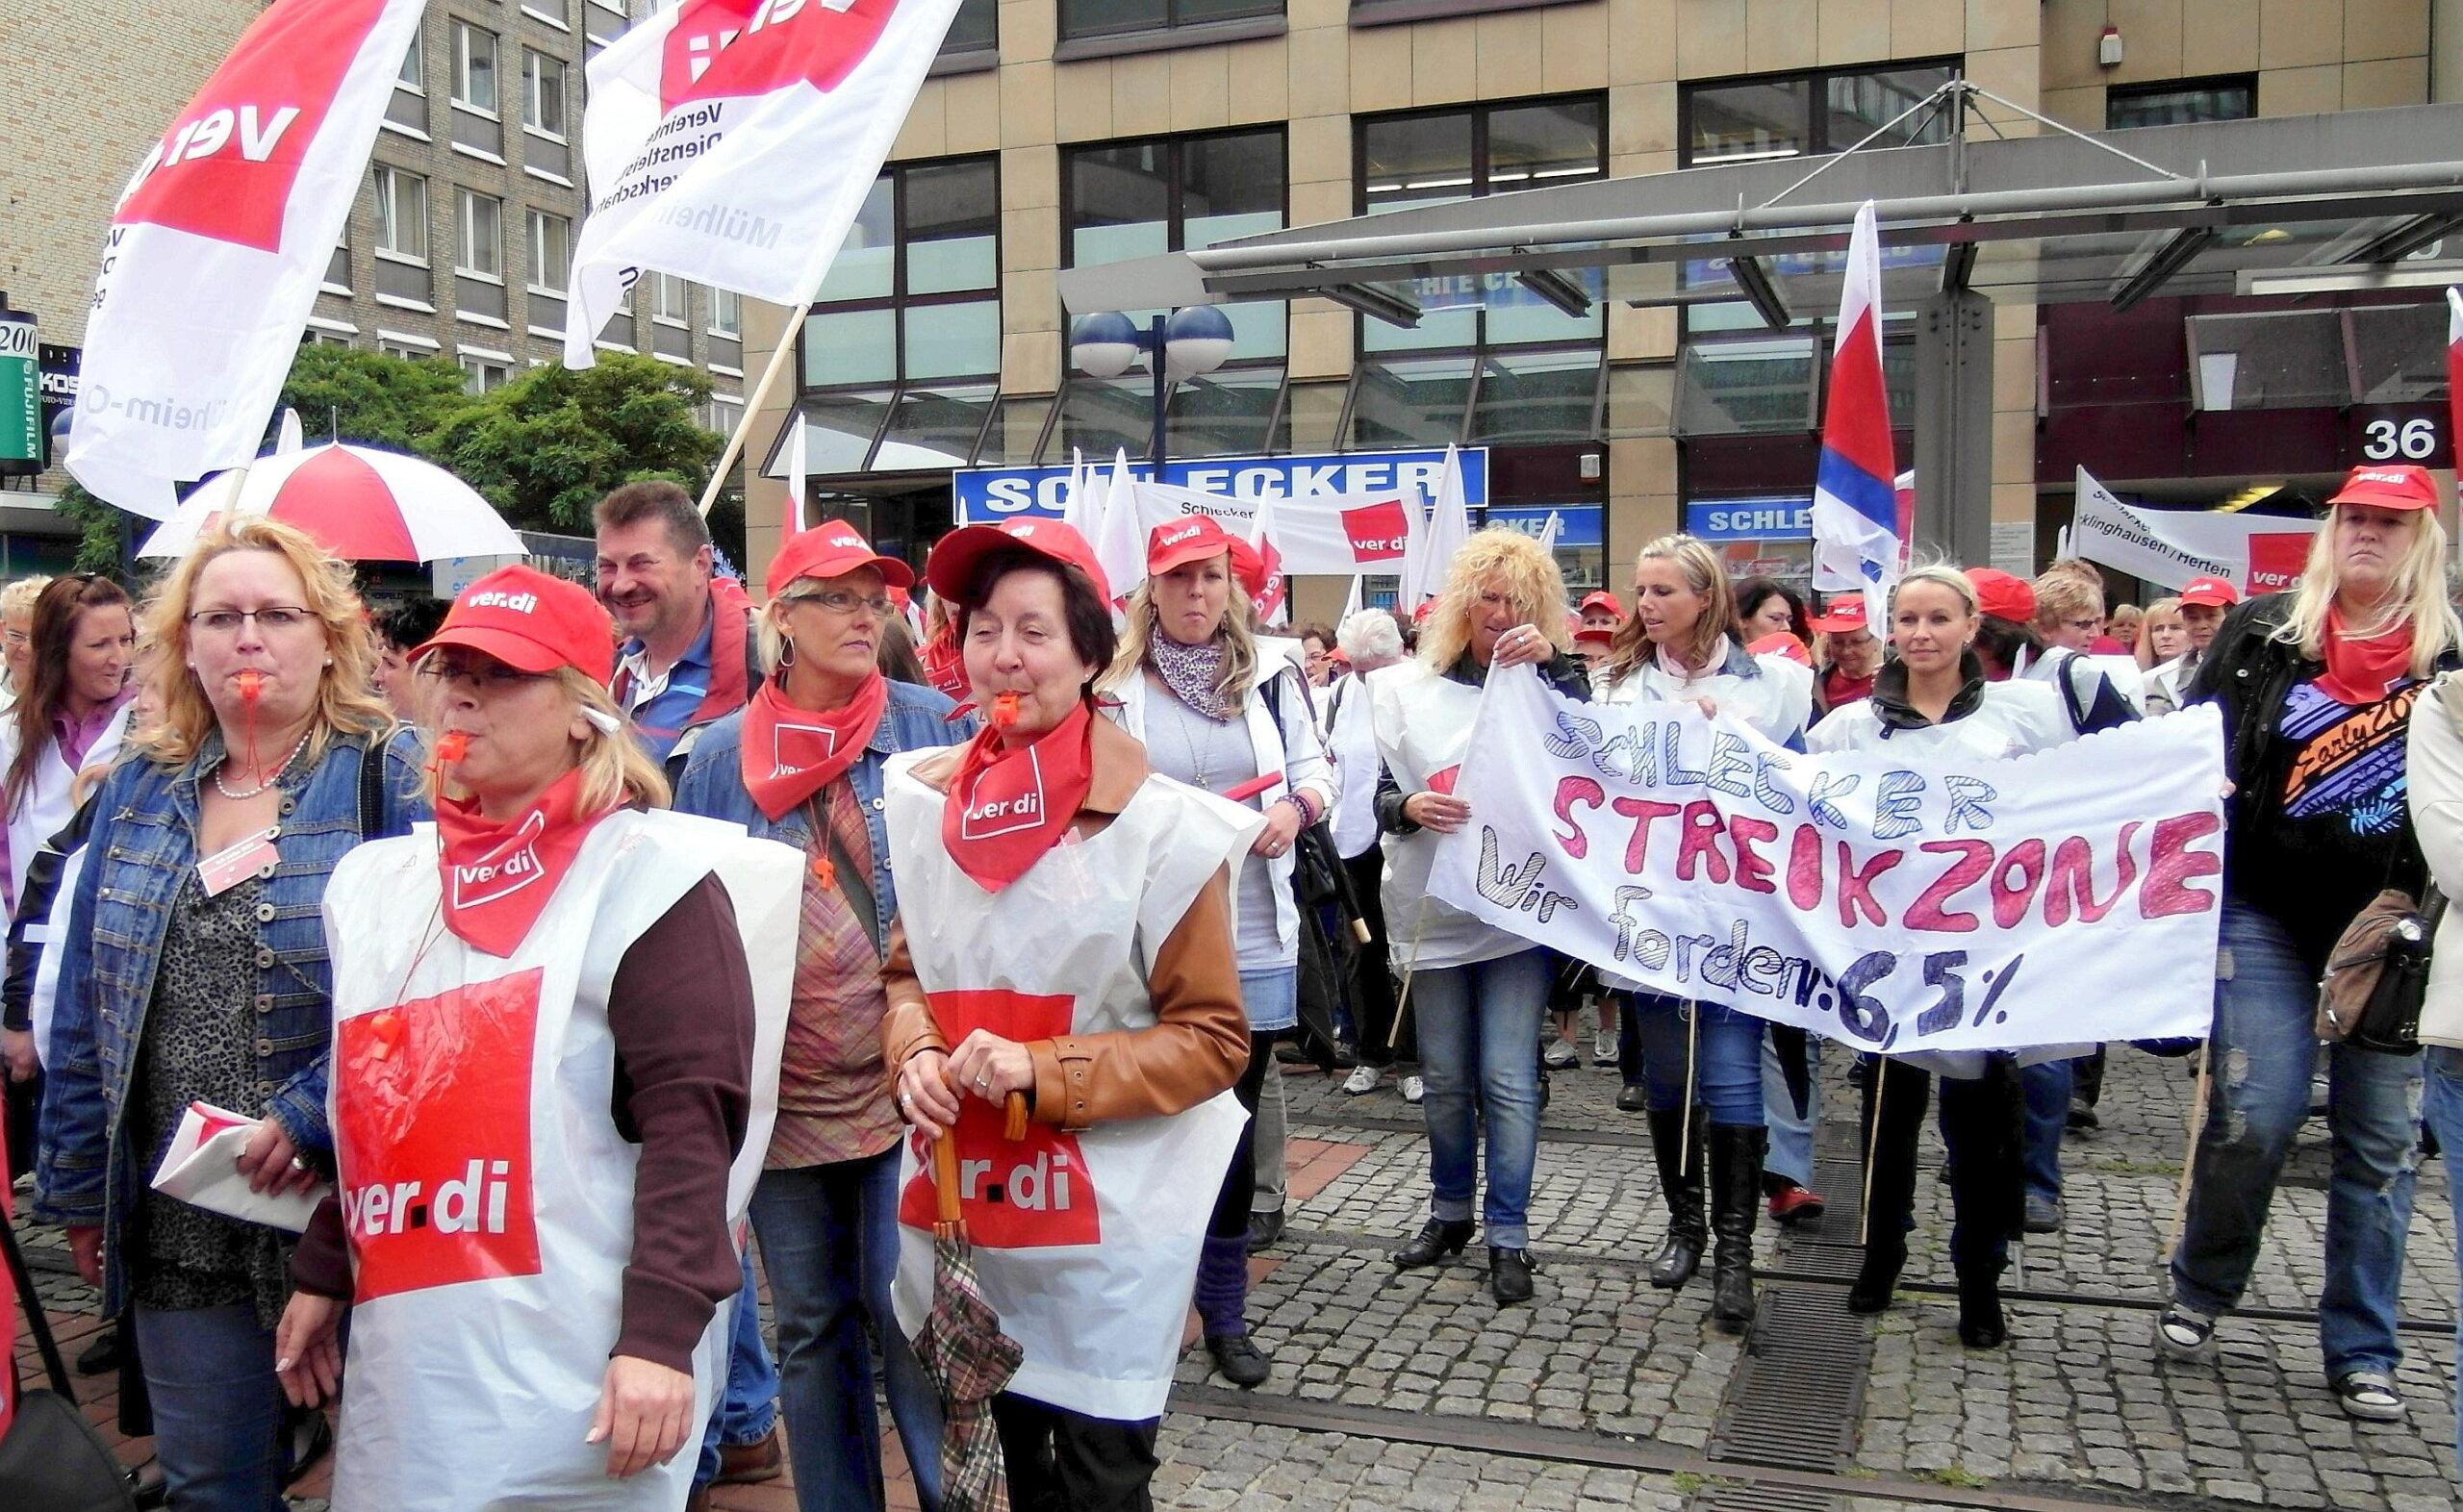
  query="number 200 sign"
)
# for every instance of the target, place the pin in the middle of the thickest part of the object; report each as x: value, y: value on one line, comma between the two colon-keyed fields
x: 2410, y: 440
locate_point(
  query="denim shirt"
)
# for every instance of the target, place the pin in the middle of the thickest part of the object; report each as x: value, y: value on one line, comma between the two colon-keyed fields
x: 712, y: 783
x: 142, y: 844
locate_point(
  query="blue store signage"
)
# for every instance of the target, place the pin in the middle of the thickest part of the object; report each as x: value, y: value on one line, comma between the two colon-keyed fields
x: 1781, y: 518
x: 988, y: 495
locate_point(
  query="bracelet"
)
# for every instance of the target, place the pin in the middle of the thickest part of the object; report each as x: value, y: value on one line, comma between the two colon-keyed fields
x: 1306, y: 804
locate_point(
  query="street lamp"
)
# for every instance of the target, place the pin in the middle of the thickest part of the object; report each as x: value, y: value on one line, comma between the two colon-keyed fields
x: 1193, y: 342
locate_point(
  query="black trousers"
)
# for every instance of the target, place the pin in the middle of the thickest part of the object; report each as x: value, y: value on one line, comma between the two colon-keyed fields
x: 1372, y: 975
x: 1981, y: 1131
x: 24, y: 1099
x: 1239, y: 1183
x: 1063, y: 1461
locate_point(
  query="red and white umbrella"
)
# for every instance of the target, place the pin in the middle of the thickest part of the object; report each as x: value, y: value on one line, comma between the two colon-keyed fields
x: 361, y: 504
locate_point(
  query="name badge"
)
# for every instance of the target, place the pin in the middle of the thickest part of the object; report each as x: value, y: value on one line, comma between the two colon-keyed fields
x: 233, y: 864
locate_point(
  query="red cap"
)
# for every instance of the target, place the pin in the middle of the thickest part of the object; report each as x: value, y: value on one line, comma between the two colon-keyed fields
x: 2212, y: 591
x: 2002, y: 597
x: 1596, y: 635
x: 1182, y: 542
x: 1248, y: 568
x: 951, y: 567
x: 1600, y: 599
x: 832, y: 548
x: 1846, y: 613
x: 529, y: 620
x: 2388, y: 488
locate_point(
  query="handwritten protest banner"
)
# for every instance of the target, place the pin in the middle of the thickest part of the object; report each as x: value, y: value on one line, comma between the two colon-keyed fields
x: 1893, y: 902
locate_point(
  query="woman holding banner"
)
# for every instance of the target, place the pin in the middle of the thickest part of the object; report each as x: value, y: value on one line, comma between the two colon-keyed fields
x: 1065, y: 939
x: 1477, y: 991
x: 1190, y: 683
x: 2317, y: 688
x: 1934, y: 697
x: 1680, y: 645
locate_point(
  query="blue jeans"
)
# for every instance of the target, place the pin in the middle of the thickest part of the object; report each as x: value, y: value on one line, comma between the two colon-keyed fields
x: 2046, y: 1086
x: 746, y: 1407
x: 1726, y: 1057
x: 217, y: 1407
x: 829, y: 1241
x: 1477, y: 1025
x: 2443, y: 1106
x: 1790, y: 1153
x: 2265, y: 1002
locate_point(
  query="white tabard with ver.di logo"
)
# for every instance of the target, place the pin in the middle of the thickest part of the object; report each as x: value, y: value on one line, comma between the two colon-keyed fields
x: 1423, y: 723
x: 485, y: 1190
x: 1086, y: 1243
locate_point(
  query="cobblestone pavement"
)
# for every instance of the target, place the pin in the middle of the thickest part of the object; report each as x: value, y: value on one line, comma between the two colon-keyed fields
x: 1413, y: 1391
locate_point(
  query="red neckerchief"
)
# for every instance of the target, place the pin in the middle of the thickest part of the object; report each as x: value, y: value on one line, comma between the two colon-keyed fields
x: 2364, y: 670
x: 1009, y: 805
x: 790, y: 754
x: 944, y: 664
x: 499, y: 876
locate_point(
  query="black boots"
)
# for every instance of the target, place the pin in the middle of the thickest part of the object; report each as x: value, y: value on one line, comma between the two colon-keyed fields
x: 1736, y: 1200
x: 1982, y: 1124
x: 1438, y: 1239
x: 1508, y: 1275
x: 1904, y: 1092
x: 1678, y: 1258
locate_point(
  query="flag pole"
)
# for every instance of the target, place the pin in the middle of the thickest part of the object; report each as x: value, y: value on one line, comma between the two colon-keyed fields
x: 752, y: 403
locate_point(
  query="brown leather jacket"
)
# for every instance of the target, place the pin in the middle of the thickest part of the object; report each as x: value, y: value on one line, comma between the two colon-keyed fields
x: 1198, y: 1048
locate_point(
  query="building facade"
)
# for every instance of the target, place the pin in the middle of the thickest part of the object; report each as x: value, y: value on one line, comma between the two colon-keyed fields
x: 1069, y: 133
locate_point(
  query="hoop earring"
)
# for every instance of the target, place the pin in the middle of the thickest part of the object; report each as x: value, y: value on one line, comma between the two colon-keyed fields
x: 786, y: 652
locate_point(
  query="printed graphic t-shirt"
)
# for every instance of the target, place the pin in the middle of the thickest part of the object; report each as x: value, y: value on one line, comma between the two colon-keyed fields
x: 2330, y: 822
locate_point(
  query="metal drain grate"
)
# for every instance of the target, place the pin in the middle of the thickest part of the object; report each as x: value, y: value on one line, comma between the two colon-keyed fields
x: 1761, y: 1499
x: 1797, y: 1394
x: 1828, y: 1246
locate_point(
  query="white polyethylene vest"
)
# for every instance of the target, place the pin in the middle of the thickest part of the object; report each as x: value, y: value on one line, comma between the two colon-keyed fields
x: 1423, y: 724
x: 1086, y: 1243
x: 488, y: 1195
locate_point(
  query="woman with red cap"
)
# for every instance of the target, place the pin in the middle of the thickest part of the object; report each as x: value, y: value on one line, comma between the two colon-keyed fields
x: 1851, y: 654
x: 545, y: 1111
x: 802, y: 764
x: 2317, y: 688
x: 1191, y: 684
x: 1065, y: 939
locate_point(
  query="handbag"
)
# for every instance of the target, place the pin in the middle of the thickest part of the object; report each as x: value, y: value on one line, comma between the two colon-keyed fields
x: 52, y: 1457
x: 2378, y: 974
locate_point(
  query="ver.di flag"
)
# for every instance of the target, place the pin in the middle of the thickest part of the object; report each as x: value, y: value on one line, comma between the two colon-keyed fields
x: 220, y: 238
x: 732, y: 142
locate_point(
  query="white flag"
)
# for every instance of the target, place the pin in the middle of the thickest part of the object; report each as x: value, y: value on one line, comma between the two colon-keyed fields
x: 1120, y: 536
x: 1449, y: 529
x: 798, y: 463
x: 732, y: 142
x: 214, y: 256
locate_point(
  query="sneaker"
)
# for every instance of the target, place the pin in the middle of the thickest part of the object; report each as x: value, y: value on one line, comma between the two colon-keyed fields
x: 2082, y: 1118
x: 2370, y: 1396
x: 2186, y: 1334
x: 1363, y: 1079
x: 2044, y: 1215
x: 1602, y: 1048
x: 1412, y: 1090
x: 1562, y: 1055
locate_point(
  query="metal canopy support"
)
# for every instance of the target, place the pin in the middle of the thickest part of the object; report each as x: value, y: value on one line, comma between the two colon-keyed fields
x: 2169, y: 258
x: 1761, y: 292
x: 1954, y: 425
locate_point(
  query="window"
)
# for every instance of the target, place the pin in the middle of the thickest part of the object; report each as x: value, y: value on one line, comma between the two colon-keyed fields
x: 2178, y: 102
x: 975, y: 29
x: 1083, y: 19
x: 1126, y: 199
x: 551, y: 255
x: 1785, y: 115
x: 483, y: 374
x: 338, y: 266
x: 414, y: 74
x: 725, y: 413
x: 474, y: 68
x: 542, y: 94
x: 481, y: 252
x: 670, y: 299
x: 727, y: 313
x: 401, y: 214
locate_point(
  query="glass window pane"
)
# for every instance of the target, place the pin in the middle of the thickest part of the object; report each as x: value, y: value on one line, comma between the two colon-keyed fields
x: 1749, y: 121
x: 1538, y: 396
x: 1185, y: 11
x: 1753, y: 385
x: 1411, y: 403
x: 1518, y: 317
x: 1531, y: 145
x: 1015, y: 431
x: 1231, y: 181
x: 1862, y: 102
x: 952, y: 341
x: 1223, y: 413
x: 1099, y: 416
x: 2221, y: 100
x: 838, y: 430
x: 935, y: 428
x: 1256, y: 329
x: 1417, y: 159
x: 1099, y: 17
x: 850, y: 347
x: 1117, y: 202
x: 550, y: 251
x: 862, y: 268
x: 1437, y: 330
x: 978, y: 24
x: 952, y: 229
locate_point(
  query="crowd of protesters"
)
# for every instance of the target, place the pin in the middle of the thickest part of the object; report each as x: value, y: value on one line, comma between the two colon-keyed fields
x: 691, y: 927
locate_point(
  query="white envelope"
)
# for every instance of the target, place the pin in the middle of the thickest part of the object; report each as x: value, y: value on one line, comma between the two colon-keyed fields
x: 202, y: 1166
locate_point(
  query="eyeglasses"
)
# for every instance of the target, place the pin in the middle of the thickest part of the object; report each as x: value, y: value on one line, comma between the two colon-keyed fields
x: 839, y: 601
x: 274, y: 618
x: 493, y: 677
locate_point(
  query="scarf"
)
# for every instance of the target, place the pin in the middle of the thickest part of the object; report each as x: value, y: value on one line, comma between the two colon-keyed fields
x: 1193, y: 673
x: 789, y: 753
x: 2362, y: 670
x: 499, y: 876
x: 1686, y: 676
x: 1009, y: 805
x: 942, y: 662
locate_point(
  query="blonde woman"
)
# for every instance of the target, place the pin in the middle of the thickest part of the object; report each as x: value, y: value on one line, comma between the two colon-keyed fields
x: 542, y: 1077
x: 2317, y: 688
x: 193, y: 970
x: 1477, y: 993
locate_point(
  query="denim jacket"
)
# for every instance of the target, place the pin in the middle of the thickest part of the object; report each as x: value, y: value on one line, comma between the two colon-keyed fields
x: 142, y: 847
x: 712, y: 782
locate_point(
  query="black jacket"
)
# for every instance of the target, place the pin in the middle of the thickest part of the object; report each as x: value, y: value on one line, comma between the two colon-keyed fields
x: 34, y: 911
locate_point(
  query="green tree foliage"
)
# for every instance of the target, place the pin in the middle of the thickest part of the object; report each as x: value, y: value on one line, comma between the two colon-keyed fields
x: 545, y: 447
x: 369, y: 396
x: 98, y: 529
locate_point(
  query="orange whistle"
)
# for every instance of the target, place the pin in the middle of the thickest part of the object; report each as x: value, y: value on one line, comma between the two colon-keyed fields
x: 828, y: 872
x: 1005, y: 710
x: 451, y: 746
x: 252, y: 685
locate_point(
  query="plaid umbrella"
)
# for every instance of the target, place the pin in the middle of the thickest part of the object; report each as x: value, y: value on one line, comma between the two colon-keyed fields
x: 965, y: 1351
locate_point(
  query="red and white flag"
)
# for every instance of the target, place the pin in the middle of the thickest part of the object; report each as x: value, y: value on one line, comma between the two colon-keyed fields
x: 732, y: 142
x: 220, y: 240
x: 1270, y: 599
x: 2454, y: 367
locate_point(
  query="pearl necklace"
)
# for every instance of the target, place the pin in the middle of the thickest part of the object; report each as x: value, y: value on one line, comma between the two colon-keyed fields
x: 262, y: 787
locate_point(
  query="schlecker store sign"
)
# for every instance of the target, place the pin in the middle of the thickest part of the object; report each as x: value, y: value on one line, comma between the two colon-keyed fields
x: 988, y: 495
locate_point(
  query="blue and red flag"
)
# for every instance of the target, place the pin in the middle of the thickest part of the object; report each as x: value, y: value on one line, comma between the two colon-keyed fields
x: 1860, y: 535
